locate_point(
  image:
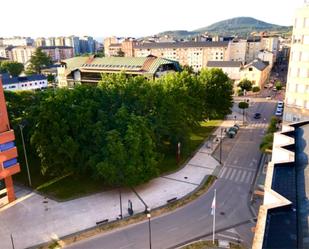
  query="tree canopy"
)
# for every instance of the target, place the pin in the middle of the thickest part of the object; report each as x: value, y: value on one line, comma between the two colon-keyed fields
x: 118, y: 131
x: 39, y: 60
x: 11, y: 67
x: 245, y: 84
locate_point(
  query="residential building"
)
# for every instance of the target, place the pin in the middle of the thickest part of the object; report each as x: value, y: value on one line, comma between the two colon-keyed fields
x: 297, y: 89
x: 22, y: 83
x: 73, y: 41
x: 107, y: 42
x: 59, y: 41
x: 254, y: 45
x: 195, y: 54
x: 87, y: 45
x: 231, y: 68
x: 6, y: 52
x: 237, y: 50
x: 58, y: 53
x: 271, y: 44
x: 8, y: 154
x: 22, y: 54
x: 40, y: 42
x: 50, y: 41
x: 88, y: 70
x: 283, y: 217
x: 17, y: 41
x: 257, y: 72
x: 265, y: 55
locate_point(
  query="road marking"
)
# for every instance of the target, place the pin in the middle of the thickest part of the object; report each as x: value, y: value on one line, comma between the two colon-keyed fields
x: 222, y: 172
x: 229, y: 171
x: 235, y: 161
x: 202, y: 217
x: 243, y: 176
x: 126, y: 246
x: 229, y: 237
x: 233, y: 173
x: 238, y: 175
x: 176, y: 228
x: 248, y: 178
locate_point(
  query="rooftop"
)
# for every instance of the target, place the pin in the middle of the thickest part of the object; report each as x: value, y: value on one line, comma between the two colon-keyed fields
x: 258, y: 64
x: 14, y: 80
x: 54, y: 47
x: 224, y: 64
x: 181, y: 45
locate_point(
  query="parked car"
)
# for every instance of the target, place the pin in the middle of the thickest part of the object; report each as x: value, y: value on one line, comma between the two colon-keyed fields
x: 268, y: 97
x: 257, y: 115
x: 231, y: 133
x: 275, y: 89
x: 237, y: 126
x: 280, y: 104
x: 233, y: 128
x: 279, y: 113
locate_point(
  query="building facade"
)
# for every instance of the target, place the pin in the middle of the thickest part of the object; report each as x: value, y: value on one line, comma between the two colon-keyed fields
x: 88, y: 70
x: 32, y: 82
x: 297, y: 89
x: 194, y: 54
x: 73, y: 41
x: 8, y: 154
x: 17, y: 41
x: 58, y: 53
x: 257, y: 72
x: 22, y: 54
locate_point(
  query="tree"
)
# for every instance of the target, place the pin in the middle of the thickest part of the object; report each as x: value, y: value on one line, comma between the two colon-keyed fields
x: 120, y: 53
x: 218, y: 92
x: 255, y: 89
x: 50, y: 78
x: 11, y: 67
x: 243, y: 106
x: 188, y: 68
x: 38, y: 61
x: 245, y: 84
x: 278, y: 85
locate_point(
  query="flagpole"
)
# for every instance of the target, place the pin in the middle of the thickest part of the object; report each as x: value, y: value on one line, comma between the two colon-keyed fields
x: 214, y: 220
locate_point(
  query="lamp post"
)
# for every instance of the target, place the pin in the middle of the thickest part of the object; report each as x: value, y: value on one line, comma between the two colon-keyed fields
x: 221, y: 138
x: 149, y: 226
x: 12, y: 241
x: 21, y: 126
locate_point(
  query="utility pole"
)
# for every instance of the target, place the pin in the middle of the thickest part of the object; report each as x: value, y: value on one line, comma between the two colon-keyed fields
x: 25, y: 154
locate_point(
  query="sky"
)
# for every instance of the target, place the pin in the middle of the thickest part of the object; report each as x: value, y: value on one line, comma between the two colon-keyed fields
x: 135, y: 18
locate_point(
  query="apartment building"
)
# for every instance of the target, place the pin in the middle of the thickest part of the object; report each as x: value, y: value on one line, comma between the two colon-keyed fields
x: 40, y: 42
x: 58, y: 53
x: 254, y: 45
x: 73, y: 41
x: 17, y: 41
x: 267, y: 56
x: 6, y: 52
x: 50, y: 41
x: 87, y: 45
x: 22, y: 54
x: 297, y: 89
x: 195, y: 54
x: 237, y: 50
x: 8, y: 155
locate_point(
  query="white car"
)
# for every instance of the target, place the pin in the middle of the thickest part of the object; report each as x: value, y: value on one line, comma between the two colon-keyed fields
x: 278, y: 112
x: 280, y: 104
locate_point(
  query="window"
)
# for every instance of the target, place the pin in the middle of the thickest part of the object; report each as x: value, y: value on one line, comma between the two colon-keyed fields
x: 250, y: 69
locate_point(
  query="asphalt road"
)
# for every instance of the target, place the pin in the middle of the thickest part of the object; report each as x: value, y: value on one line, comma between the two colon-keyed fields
x: 234, y: 218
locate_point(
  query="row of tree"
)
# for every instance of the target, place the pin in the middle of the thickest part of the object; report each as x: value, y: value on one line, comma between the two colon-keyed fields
x: 121, y: 129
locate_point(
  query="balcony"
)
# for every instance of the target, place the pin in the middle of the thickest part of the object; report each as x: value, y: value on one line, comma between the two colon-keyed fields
x: 7, y: 136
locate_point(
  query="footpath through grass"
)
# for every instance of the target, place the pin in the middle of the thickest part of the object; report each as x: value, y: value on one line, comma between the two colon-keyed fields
x: 71, y: 186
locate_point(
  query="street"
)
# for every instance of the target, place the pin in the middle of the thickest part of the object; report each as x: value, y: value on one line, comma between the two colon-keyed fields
x: 234, y: 219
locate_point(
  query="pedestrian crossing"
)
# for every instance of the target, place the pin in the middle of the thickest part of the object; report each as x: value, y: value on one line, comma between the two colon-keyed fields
x: 258, y: 125
x: 237, y: 175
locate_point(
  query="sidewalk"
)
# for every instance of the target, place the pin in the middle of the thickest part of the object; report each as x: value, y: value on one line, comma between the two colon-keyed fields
x: 34, y: 219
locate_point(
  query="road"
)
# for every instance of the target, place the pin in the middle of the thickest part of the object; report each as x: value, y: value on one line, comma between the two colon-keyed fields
x: 234, y: 218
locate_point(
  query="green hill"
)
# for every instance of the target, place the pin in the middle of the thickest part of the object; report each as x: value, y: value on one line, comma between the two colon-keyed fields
x: 241, y: 26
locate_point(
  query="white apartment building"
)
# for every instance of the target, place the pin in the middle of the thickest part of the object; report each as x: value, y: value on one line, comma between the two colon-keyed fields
x: 22, y: 54
x: 17, y: 41
x: 254, y: 45
x: 237, y: 50
x: 297, y: 89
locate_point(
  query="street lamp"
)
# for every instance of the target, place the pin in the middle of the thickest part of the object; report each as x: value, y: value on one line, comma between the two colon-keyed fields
x: 21, y: 126
x: 149, y: 225
x: 221, y: 138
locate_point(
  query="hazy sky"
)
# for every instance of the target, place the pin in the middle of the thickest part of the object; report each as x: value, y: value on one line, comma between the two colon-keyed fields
x: 136, y: 18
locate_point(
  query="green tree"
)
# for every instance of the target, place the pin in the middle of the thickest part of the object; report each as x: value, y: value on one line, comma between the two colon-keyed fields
x: 50, y: 78
x: 243, y: 106
x: 255, y: 89
x: 120, y: 53
x: 278, y: 85
x: 11, y: 67
x: 39, y: 60
x: 245, y: 84
x: 188, y: 68
x: 218, y: 92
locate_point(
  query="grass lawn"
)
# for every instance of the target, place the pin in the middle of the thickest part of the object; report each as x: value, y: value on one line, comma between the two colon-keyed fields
x: 70, y: 186
x: 169, y: 163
